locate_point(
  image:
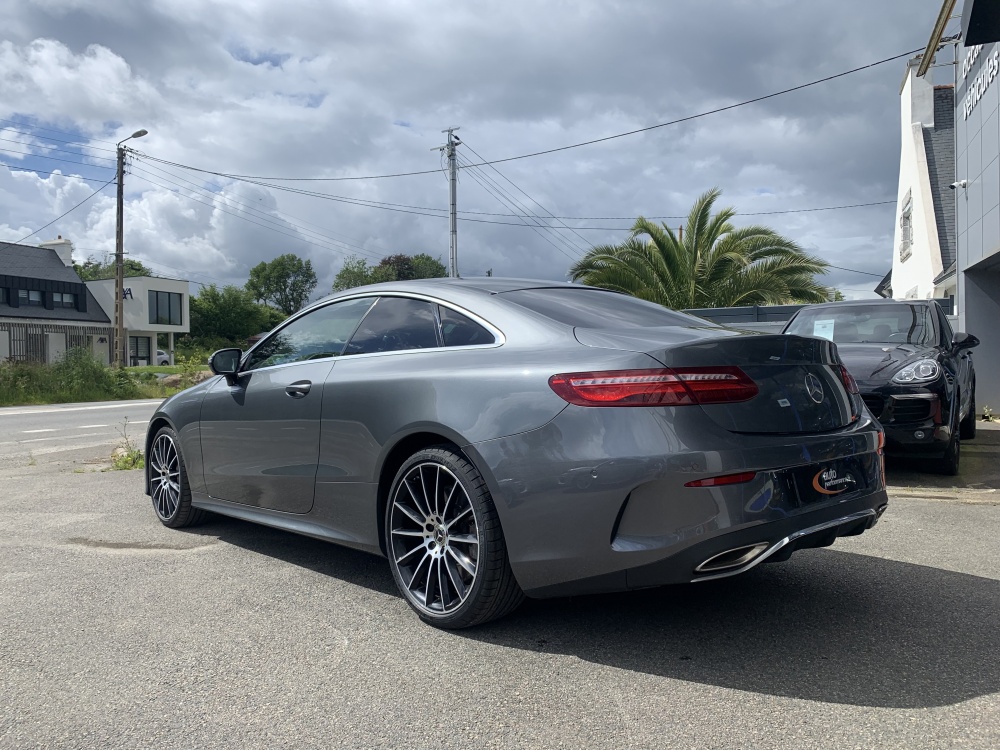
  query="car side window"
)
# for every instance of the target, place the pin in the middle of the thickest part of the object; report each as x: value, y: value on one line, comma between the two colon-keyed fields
x: 324, y: 332
x: 459, y: 330
x: 396, y: 324
x: 947, y: 334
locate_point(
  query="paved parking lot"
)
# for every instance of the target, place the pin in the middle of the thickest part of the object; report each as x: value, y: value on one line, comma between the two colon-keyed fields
x: 117, y: 632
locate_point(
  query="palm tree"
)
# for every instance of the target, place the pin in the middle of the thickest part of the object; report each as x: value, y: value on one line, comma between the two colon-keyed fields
x: 712, y: 263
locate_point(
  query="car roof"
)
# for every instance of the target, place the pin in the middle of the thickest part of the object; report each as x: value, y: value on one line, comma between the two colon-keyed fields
x: 869, y: 302
x: 485, y: 285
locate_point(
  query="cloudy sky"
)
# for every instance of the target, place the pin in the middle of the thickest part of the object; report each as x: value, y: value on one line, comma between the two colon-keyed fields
x: 333, y: 89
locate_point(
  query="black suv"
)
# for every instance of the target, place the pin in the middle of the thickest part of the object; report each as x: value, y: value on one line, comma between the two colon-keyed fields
x: 915, y: 375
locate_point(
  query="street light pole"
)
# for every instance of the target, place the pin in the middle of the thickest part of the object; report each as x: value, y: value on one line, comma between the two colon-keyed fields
x: 120, y: 343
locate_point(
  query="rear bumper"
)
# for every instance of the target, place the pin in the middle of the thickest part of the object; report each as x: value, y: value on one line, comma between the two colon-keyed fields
x: 601, y: 522
x: 781, y: 538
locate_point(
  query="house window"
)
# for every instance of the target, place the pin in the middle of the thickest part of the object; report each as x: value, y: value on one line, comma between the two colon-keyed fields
x: 63, y: 299
x: 26, y: 297
x: 906, y: 228
x: 164, y: 308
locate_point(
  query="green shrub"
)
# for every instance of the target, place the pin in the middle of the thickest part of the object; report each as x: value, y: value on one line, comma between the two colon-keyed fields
x: 77, y: 376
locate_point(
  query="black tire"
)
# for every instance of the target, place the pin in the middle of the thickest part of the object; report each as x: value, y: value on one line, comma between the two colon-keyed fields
x: 967, y: 430
x: 168, y: 482
x: 444, y: 542
x: 949, y: 463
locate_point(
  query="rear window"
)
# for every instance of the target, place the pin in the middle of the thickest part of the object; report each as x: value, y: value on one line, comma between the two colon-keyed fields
x: 883, y: 323
x: 586, y: 307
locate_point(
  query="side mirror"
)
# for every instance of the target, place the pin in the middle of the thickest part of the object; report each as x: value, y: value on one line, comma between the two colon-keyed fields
x: 226, y: 362
x: 962, y: 340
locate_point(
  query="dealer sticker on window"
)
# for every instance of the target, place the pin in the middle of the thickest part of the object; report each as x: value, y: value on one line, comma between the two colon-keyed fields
x: 823, y: 329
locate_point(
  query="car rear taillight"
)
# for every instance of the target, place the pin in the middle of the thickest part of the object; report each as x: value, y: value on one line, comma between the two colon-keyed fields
x: 848, y: 380
x: 678, y: 386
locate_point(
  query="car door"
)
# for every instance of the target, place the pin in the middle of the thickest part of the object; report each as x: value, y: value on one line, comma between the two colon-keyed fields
x: 261, y: 432
x: 370, y: 396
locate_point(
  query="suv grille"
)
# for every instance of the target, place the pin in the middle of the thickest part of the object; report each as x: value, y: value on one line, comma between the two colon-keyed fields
x: 910, y: 409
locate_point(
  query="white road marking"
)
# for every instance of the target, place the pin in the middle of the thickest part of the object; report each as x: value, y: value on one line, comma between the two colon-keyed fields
x: 86, y: 427
x: 62, y: 437
x: 123, y: 405
x: 48, y: 429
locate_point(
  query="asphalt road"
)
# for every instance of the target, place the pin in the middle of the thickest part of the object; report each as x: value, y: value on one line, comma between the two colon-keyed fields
x: 31, y: 431
x: 118, y: 632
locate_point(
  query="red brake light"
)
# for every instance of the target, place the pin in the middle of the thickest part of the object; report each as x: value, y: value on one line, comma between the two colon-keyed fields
x: 849, y: 382
x: 741, y: 478
x: 679, y: 386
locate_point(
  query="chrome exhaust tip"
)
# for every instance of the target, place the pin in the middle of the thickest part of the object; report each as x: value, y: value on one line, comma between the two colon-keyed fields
x: 732, y: 558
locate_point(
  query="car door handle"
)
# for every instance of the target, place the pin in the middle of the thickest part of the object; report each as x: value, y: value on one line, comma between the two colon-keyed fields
x: 299, y: 389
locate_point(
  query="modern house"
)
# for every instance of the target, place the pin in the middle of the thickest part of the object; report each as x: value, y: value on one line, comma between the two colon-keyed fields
x: 152, y: 305
x: 45, y: 308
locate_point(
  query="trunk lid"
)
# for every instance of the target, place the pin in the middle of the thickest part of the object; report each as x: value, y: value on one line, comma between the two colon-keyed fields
x: 801, y: 390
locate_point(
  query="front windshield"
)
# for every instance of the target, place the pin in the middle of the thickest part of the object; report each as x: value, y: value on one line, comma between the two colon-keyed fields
x: 867, y: 324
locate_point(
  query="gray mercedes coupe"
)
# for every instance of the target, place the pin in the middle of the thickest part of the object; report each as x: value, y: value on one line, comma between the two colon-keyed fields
x: 497, y: 438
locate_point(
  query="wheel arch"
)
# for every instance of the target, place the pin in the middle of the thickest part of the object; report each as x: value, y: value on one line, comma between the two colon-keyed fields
x: 155, y: 425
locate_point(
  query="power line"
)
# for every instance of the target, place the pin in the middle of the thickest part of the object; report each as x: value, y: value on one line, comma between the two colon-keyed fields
x: 290, y: 179
x: 17, y: 168
x: 536, y: 222
x: 53, y: 150
x: 56, y: 140
x: 703, y: 114
x: 560, y: 148
x: 300, y: 237
x: 18, y: 242
x: 422, y: 210
x: 349, y: 241
x: 536, y: 227
x: 51, y: 130
x: 53, y: 158
x: 519, y: 189
x: 854, y: 270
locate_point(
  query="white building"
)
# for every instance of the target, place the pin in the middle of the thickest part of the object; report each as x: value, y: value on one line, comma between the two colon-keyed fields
x: 151, y: 305
x: 924, y: 247
x: 975, y: 176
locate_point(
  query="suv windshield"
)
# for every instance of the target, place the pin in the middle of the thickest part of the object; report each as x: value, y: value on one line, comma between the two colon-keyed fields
x: 867, y: 324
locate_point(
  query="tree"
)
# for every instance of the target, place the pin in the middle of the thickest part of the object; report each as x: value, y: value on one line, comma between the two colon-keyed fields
x: 286, y: 282
x: 714, y: 265
x: 357, y: 272
x: 230, y: 314
x: 93, y: 270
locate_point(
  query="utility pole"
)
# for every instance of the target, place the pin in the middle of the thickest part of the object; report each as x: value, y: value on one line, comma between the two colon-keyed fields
x: 120, y: 343
x: 449, y: 149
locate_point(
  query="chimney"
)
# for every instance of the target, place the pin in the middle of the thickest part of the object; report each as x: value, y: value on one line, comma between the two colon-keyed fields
x: 63, y: 248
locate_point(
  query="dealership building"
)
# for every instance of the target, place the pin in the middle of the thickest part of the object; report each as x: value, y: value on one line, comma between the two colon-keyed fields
x: 953, y: 159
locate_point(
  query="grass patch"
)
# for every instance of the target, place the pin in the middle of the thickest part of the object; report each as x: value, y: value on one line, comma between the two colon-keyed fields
x: 127, y: 455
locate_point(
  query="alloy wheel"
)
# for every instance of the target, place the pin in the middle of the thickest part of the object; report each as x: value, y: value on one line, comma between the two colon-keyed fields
x: 434, y: 539
x: 164, y: 476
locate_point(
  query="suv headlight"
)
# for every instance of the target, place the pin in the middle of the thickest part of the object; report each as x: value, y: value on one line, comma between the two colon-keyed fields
x: 922, y: 371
